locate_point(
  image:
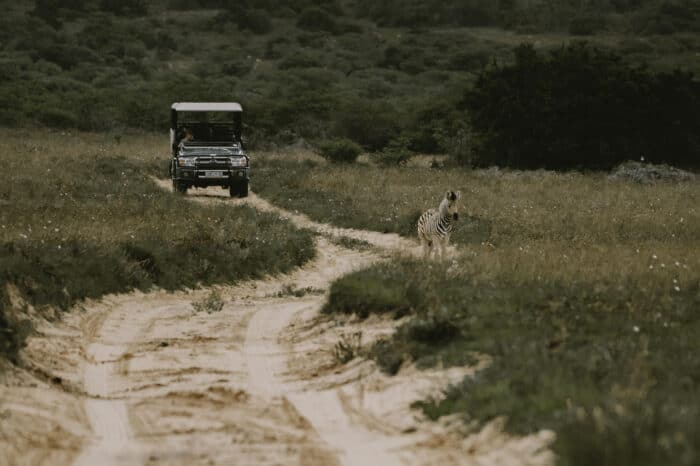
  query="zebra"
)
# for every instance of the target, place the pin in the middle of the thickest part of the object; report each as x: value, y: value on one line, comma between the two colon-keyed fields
x: 436, y: 225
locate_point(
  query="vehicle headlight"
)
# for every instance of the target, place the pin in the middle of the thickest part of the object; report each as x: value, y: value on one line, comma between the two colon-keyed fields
x: 238, y: 161
x: 186, y: 162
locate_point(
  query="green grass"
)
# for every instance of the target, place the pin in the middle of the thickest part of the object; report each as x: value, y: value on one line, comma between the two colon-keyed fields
x: 81, y: 217
x: 583, y: 291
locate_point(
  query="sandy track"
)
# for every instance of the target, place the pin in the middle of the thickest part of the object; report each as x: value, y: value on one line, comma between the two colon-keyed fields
x: 254, y: 383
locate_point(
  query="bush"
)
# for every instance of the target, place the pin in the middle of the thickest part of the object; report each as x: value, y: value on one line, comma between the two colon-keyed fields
x: 582, y: 108
x: 373, y: 290
x: 58, y: 118
x: 396, y: 153
x: 315, y: 19
x: 125, y: 7
x: 257, y: 21
x: 340, y: 151
x: 585, y: 25
x: 369, y: 123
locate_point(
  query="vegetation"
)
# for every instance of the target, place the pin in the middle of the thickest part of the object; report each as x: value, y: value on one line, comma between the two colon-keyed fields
x: 209, y: 303
x: 387, y: 75
x: 80, y: 218
x: 340, y: 151
x: 583, y: 291
x: 582, y: 108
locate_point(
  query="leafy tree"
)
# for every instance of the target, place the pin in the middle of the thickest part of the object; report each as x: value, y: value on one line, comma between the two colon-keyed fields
x: 581, y: 107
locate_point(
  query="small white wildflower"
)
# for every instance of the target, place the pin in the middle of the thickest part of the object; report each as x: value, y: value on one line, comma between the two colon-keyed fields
x: 677, y: 288
x: 651, y: 267
x: 654, y: 256
x: 675, y: 281
x: 635, y: 329
x: 56, y: 230
x: 677, y: 264
x: 23, y: 236
x: 663, y: 265
x: 59, y: 246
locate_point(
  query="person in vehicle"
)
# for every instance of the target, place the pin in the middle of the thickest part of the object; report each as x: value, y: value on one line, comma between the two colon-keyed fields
x: 187, y: 137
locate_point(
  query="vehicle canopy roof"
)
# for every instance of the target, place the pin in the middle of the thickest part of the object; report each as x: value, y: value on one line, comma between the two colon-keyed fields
x: 207, y: 107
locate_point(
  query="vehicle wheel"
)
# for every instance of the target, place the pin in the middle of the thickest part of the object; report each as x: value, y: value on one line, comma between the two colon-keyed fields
x: 239, y: 189
x: 180, y: 187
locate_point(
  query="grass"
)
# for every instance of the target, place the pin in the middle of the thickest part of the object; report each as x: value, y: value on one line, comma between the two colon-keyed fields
x: 80, y: 217
x: 209, y: 304
x: 583, y: 290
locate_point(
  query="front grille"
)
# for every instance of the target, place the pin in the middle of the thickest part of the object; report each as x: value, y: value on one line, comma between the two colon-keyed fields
x: 212, y: 162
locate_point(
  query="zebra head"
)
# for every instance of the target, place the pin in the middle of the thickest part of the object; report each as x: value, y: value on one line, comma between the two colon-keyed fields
x: 448, y: 206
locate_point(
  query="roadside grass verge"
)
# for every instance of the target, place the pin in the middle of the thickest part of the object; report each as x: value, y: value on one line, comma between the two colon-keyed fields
x: 500, y: 207
x: 609, y: 363
x: 80, y: 218
x: 584, y: 293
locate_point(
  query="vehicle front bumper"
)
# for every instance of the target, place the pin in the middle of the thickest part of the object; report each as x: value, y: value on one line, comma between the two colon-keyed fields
x: 211, y: 177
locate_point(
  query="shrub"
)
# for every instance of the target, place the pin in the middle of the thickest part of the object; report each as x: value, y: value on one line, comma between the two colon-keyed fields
x: 369, y: 123
x: 372, y: 290
x: 396, y: 153
x: 581, y: 107
x: 125, y: 7
x: 586, y: 25
x: 210, y: 303
x: 58, y: 118
x: 257, y: 21
x: 315, y: 19
x: 340, y: 151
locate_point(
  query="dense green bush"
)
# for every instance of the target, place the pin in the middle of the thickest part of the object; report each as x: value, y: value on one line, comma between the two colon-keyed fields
x: 585, y: 25
x: 368, y: 123
x: 315, y: 19
x: 340, y: 151
x: 582, y: 107
x: 125, y: 7
x: 667, y: 17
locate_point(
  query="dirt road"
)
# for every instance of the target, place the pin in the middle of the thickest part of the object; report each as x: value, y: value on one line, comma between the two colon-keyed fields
x: 143, y: 379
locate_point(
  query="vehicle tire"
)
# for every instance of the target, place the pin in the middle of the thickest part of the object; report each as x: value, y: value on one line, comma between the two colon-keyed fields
x: 180, y: 187
x: 239, y: 189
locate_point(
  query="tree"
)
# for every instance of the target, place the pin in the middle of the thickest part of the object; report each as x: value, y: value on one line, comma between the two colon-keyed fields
x: 582, y: 107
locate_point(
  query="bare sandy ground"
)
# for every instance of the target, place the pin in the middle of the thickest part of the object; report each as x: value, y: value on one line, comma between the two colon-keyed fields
x: 143, y: 379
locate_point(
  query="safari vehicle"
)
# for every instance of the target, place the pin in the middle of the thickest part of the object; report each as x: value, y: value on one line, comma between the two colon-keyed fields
x: 205, y: 138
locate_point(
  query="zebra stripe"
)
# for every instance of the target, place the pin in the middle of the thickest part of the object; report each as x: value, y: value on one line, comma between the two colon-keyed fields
x: 435, y: 225
x: 431, y: 224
